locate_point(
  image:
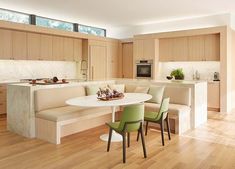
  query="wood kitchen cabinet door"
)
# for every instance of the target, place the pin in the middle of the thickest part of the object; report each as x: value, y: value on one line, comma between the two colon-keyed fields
x: 77, y: 50
x: 138, y: 49
x: 149, y: 49
x: 3, y: 99
x: 34, y: 46
x: 165, y: 50
x: 127, y: 60
x: 212, y: 47
x: 112, y: 60
x: 98, y: 62
x: 5, y: 44
x: 68, y: 49
x: 179, y: 49
x: 196, y: 46
x: 58, y: 48
x: 46, y: 47
x: 213, y: 96
x: 19, y: 45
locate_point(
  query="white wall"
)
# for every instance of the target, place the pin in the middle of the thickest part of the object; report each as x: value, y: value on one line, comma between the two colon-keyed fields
x: 172, y: 25
x: 15, y: 70
x: 206, y: 69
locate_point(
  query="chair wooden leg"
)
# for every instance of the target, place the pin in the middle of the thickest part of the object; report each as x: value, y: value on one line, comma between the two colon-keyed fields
x: 143, y: 142
x: 124, y: 147
x: 109, y: 140
x: 146, y: 128
x: 162, y: 131
x: 128, y: 139
x: 138, y: 134
x: 168, y: 128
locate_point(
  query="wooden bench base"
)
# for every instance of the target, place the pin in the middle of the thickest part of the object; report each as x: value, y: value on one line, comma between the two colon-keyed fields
x: 53, y: 131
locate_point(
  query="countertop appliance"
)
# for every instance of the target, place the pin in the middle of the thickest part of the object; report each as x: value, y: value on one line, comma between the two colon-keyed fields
x: 216, y: 76
x: 144, y: 68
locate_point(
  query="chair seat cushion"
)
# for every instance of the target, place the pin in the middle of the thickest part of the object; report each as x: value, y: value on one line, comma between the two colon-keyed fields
x: 174, y: 109
x: 151, y: 116
x: 71, y: 112
x: 114, y: 125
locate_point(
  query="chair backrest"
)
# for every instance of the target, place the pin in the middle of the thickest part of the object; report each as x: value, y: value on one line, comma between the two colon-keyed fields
x: 130, y: 114
x: 164, y: 107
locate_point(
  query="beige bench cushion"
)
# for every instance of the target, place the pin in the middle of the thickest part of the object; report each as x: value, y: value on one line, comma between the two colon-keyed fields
x: 174, y: 109
x: 72, y: 112
x: 56, y: 97
x: 141, y: 89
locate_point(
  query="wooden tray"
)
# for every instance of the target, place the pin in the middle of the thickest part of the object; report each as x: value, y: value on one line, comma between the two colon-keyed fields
x: 109, y: 99
x: 43, y: 83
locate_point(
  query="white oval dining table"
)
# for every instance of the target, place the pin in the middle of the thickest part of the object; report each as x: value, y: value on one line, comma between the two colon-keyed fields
x: 92, y: 101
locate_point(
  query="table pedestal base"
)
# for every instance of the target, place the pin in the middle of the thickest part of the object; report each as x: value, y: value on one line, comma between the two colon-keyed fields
x: 115, y: 137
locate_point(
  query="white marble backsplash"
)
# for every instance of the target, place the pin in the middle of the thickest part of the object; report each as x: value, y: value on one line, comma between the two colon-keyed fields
x: 11, y: 70
x: 205, y: 69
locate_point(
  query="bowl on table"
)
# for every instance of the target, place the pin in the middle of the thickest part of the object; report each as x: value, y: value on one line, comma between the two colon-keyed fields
x: 169, y: 77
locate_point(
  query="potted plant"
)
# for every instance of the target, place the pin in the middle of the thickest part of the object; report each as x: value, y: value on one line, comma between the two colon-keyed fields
x: 178, y: 74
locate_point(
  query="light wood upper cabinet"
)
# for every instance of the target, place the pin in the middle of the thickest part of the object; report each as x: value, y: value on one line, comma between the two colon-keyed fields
x: 34, y: 46
x: 77, y: 49
x: 192, y: 48
x: 165, y: 49
x: 149, y: 49
x: 138, y: 49
x: 46, y: 47
x: 144, y: 49
x: 212, y: 47
x: 58, y: 48
x: 179, y: 49
x: 19, y: 45
x: 5, y: 44
x: 68, y: 49
x: 196, y: 48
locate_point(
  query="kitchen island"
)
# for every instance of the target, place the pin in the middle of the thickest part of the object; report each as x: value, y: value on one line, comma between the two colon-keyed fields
x: 21, y: 112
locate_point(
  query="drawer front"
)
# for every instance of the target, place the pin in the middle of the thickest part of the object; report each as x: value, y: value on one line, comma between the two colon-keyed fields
x: 3, y: 108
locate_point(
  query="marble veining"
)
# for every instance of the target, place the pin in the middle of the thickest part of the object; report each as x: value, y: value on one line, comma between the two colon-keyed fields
x: 12, y: 70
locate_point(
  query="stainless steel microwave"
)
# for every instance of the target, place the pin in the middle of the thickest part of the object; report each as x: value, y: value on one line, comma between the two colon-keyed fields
x: 144, y: 69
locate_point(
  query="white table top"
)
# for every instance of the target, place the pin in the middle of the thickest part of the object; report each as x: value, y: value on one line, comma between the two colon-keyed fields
x: 92, y: 101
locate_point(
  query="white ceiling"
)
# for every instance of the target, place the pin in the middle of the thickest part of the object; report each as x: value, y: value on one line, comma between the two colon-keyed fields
x: 119, y: 13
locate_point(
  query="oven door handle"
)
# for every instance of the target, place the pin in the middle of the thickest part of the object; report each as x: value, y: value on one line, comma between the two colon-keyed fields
x: 143, y: 64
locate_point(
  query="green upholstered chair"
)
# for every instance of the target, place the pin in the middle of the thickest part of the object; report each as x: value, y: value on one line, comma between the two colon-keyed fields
x: 131, y: 120
x: 159, y: 117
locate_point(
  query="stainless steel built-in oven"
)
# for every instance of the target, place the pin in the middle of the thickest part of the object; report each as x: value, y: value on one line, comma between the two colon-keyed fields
x: 144, y: 69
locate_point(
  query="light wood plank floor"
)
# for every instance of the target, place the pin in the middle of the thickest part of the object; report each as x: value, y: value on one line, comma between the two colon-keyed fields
x: 211, y: 146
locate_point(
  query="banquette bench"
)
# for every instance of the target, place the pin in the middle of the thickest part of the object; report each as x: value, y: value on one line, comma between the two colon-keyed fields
x: 55, y: 119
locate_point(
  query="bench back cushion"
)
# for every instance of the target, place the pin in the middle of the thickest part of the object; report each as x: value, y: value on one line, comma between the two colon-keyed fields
x: 178, y: 95
x: 157, y: 93
x: 56, y: 97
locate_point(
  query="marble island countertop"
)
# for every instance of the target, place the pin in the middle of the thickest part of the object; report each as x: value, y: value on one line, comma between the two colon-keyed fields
x: 77, y: 81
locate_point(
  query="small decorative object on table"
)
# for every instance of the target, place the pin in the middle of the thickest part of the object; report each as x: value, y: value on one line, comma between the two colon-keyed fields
x: 169, y: 77
x: 107, y: 94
